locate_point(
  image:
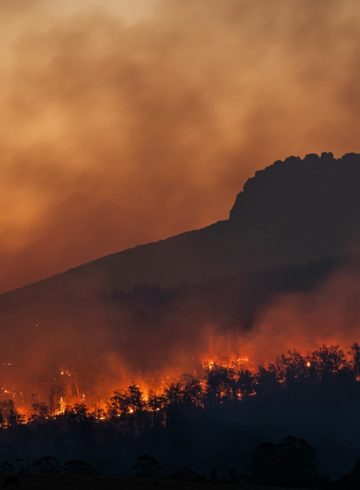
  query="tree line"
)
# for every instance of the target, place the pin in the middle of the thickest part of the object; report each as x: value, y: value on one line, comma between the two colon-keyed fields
x: 212, y: 420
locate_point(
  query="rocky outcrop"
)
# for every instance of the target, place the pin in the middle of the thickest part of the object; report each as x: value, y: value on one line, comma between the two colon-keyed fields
x: 292, y: 212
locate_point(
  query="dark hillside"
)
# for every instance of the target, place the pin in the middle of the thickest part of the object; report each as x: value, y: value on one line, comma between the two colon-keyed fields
x: 296, y: 211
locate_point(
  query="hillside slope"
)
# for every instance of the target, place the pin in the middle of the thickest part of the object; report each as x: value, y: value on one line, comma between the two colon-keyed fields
x: 296, y: 211
x: 157, y: 306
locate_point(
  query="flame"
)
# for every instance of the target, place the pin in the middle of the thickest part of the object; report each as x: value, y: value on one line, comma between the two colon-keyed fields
x: 68, y: 389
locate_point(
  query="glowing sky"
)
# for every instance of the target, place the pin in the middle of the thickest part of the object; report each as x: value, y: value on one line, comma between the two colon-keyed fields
x: 128, y: 121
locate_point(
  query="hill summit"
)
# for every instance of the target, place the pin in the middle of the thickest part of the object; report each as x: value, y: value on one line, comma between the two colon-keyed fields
x: 149, y: 308
x: 315, y: 186
x: 294, y: 211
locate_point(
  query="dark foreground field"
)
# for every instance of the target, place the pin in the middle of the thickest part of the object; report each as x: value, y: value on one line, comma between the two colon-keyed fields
x: 42, y: 482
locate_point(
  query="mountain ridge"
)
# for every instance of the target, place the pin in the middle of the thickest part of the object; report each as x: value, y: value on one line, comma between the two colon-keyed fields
x: 259, y: 233
x: 152, y: 306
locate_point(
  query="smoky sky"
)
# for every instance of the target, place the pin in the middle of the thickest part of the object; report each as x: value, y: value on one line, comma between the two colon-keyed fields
x: 123, y: 124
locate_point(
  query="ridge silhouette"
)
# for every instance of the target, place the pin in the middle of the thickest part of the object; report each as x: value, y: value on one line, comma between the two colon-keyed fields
x: 293, y: 212
x: 143, y: 309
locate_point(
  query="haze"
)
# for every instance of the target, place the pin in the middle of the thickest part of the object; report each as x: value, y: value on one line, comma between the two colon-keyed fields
x: 128, y: 121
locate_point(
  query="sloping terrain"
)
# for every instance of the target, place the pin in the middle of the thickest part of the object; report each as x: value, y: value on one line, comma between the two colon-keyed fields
x: 295, y: 211
x: 151, y: 307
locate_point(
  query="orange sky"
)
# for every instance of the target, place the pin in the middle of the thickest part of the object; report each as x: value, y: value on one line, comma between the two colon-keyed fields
x: 128, y: 121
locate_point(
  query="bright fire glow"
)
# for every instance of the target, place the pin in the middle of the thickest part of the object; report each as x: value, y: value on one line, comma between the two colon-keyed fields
x: 68, y: 390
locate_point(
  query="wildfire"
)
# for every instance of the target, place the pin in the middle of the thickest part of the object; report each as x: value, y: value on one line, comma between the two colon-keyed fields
x: 65, y: 372
x: 210, y: 365
x: 66, y: 384
x: 69, y: 390
x: 232, y: 362
x: 62, y: 406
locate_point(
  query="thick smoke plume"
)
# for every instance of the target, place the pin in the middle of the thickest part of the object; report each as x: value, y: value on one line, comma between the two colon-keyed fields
x: 152, y: 336
x: 329, y: 314
x: 125, y: 124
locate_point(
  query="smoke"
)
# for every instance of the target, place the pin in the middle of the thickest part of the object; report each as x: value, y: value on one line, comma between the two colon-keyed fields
x: 152, y: 336
x: 121, y: 126
x: 328, y: 314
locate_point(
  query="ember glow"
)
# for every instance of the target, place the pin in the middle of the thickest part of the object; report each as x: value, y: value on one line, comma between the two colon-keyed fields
x: 71, y: 360
x: 231, y: 377
x: 64, y: 390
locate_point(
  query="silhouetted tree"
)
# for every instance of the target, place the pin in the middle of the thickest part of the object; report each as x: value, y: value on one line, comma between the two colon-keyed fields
x: 221, y: 384
x: 7, y: 467
x: 292, y: 368
x: 246, y: 383
x: 46, y: 464
x: 327, y: 361
x: 156, y: 405
x: 78, y: 413
x: 355, y: 355
x: 233, y: 475
x: 125, y: 402
x: 21, y: 466
x: 40, y: 411
x: 174, y: 395
x: 192, y: 392
x: 9, y: 415
x: 78, y: 467
x: 197, y: 411
x: 292, y: 462
x: 147, y: 467
x: 266, y: 381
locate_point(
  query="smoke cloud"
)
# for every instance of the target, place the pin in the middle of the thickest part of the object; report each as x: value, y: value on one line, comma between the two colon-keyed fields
x: 329, y: 314
x: 122, y: 125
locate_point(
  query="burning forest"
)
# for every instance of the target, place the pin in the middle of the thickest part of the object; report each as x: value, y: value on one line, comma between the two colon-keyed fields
x: 215, y: 381
x: 151, y: 336
x: 134, y: 121
x: 200, y: 369
x: 292, y: 394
